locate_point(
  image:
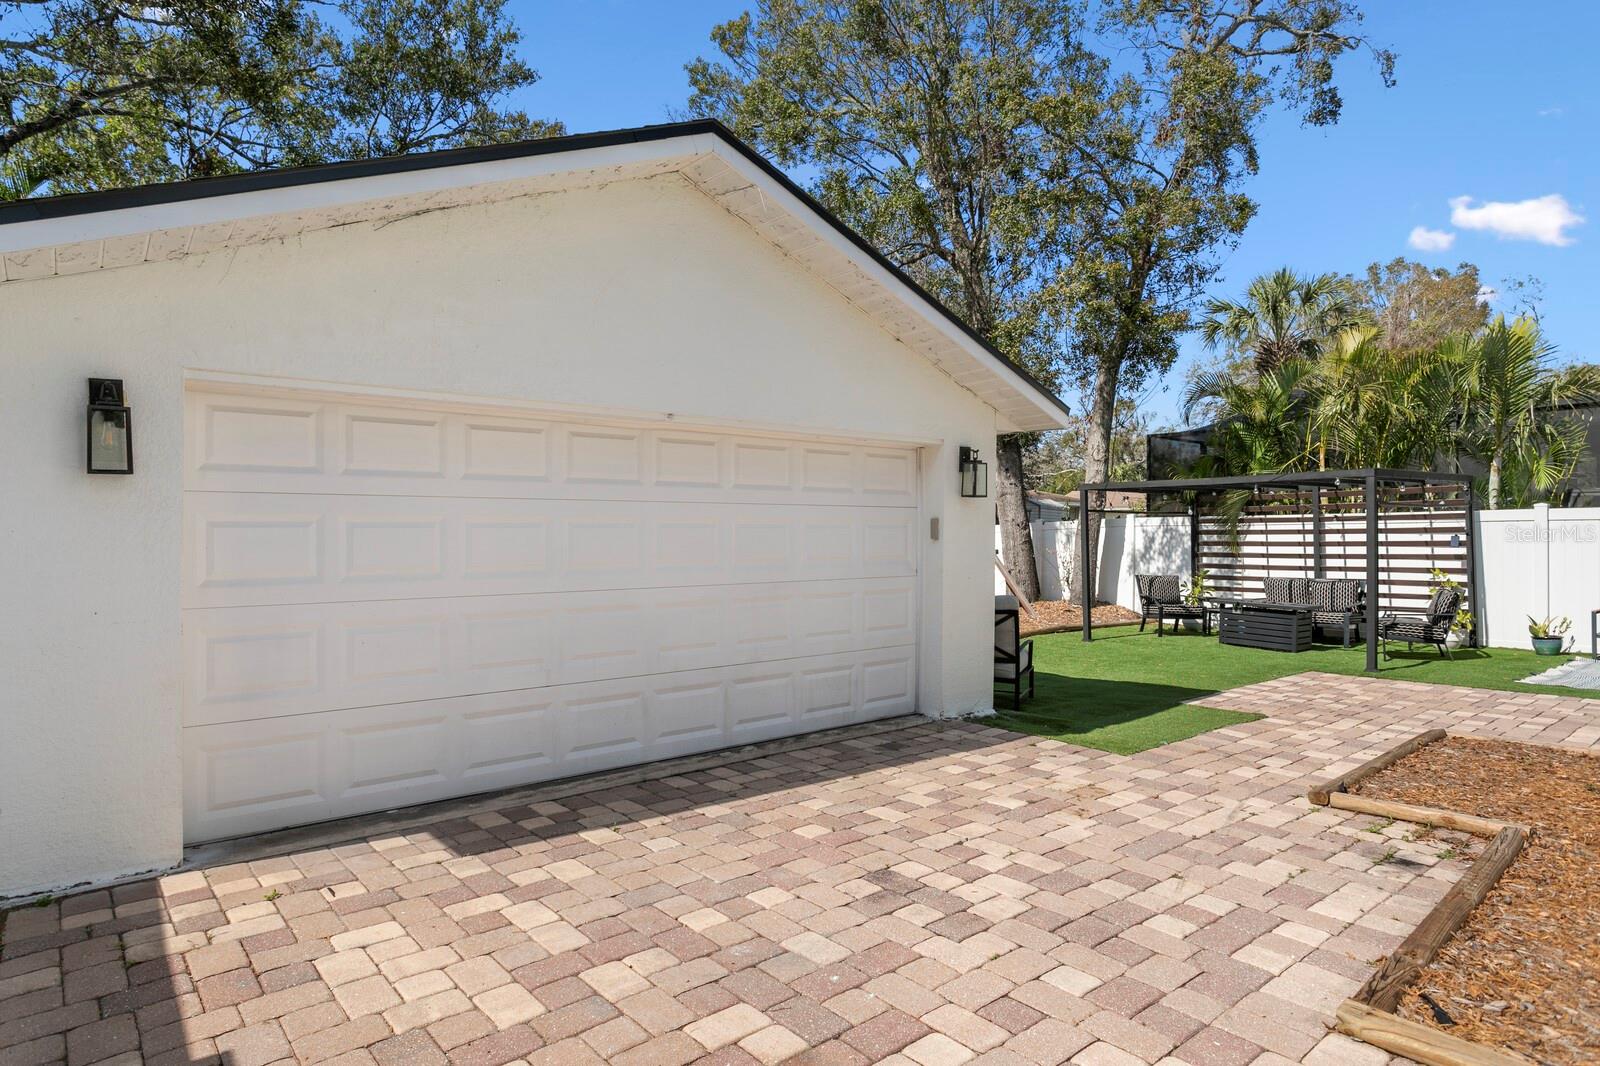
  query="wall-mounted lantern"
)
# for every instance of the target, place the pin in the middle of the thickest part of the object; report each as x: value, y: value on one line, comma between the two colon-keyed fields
x: 974, y: 474
x: 110, y: 428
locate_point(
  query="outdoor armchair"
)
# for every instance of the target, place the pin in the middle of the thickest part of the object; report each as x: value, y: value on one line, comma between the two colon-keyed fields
x: 1431, y: 628
x: 1161, y: 598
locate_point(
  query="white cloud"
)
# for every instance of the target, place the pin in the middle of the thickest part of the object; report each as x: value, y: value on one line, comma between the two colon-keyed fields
x: 1544, y: 218
x: 1424, y: 239
x: 1488, y: 295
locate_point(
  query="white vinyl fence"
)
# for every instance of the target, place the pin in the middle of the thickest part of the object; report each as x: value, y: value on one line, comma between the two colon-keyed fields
x: 1541, y: 561
x: 1129, y: 544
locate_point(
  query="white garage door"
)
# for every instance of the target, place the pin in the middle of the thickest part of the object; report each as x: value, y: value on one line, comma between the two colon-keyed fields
x: 386, y: 605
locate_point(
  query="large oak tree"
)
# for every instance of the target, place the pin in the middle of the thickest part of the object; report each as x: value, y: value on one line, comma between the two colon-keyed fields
x: 919, y: 121
x: 1417, y: 307
x: 99, y: 93
x: 1158, y: 176
x: 1064, y: 174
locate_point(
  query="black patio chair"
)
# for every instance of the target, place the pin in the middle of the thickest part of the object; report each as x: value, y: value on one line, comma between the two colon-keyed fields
x: 1431, y: 628
x: 1013, y: 656
x: 1161, y: 598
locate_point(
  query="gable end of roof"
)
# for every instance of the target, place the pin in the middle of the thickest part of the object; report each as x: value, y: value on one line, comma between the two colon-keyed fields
x: 68, y: 206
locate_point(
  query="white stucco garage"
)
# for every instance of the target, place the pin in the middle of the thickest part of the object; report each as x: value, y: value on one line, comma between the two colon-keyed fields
x: 463, y: 471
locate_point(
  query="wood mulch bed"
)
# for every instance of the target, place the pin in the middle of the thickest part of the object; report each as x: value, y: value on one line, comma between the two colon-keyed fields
x: 1523, y: 973
x: 1053, y: 615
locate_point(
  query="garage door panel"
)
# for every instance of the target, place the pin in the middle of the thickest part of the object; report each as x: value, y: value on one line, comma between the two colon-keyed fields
x: 244, y: 777
x: 268, y: 444
x: 270, y: 772
x: 251, y: 662
x: 396, y: 648
x: 507, y: 743
x: 889, y: 615
x: 505, y: 548
x: 252, y: 549
x: 888, y: 477
x: 763, y: 706
x: 388, y: 604
x: 385, y: 443
x: 390, y: 549
x: 887, y: 682
x: 282, y: 661
x: 888, y: 542
x: 261, y: 551
x: 228, y: 436
x: 690, y: 715
x: 408, y: 753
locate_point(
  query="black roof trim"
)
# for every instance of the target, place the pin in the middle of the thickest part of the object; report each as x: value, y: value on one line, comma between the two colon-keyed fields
x: 51, y: 207
x: 83, y: 203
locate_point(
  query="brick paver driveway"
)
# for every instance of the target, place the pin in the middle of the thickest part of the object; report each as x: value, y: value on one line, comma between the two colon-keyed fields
x: 936, y: 894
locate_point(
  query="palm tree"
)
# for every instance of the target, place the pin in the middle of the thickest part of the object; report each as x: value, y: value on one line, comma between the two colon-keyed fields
x: 1373, y: 407
x: 1264, y: 429
x: 1495, y: 395
x: 1266, y: 418
x: 1283, y: 316
x: 1512, y: 400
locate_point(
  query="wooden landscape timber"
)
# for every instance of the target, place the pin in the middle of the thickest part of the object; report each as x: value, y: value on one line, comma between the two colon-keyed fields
x: 1319, y: 794
x: 1410, y: 812
x: 1369, y: 1014
x: 1401, y: 1036
x: 1382, y: 990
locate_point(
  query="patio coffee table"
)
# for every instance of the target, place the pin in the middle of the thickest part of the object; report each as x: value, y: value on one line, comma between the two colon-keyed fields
x: 1264, y: 624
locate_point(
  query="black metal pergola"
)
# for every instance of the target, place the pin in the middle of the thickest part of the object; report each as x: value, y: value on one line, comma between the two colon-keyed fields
x: 1371, y: 481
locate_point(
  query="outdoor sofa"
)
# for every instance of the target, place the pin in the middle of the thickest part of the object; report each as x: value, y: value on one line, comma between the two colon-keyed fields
x: 1338, y: 603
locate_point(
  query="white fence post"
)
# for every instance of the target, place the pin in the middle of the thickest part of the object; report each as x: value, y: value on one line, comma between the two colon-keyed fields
x: 1540, y: 578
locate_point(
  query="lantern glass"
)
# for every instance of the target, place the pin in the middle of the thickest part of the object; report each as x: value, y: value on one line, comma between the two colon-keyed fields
x: 108, y: 442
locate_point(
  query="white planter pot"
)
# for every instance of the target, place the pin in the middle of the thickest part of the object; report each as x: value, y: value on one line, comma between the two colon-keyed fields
x: 1190, y: 625
x: 1455, y: 640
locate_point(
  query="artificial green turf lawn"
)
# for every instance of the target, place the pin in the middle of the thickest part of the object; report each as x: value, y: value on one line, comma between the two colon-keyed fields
x: 1126, y: 691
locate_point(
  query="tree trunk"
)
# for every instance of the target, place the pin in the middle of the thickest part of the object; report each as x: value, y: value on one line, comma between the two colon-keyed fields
x: 1096, y: 467
x: 1016, y: 545
x: 1494, y: 481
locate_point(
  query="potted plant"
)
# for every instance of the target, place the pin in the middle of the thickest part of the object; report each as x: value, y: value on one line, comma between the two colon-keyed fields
x: 1461, y: 627
x: 1194, y: 591
x: 1550, y: 635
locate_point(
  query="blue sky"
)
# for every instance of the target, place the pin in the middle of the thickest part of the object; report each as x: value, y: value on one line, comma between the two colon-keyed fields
x: 1495, y: 102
